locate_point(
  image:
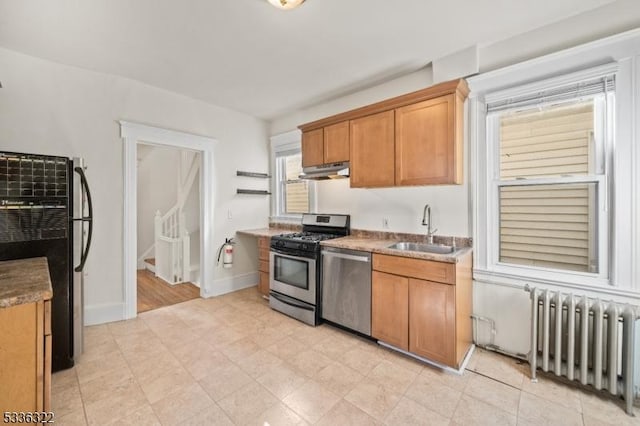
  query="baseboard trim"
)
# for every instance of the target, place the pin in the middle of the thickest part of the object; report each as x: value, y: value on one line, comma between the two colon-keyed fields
x: 100, y: 314
x: 235, y: 283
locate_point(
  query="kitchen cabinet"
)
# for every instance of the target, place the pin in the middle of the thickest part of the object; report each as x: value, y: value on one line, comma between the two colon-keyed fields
x: 263, y: 265
x: 313, y: 148
x: 429, y: 142
x: 390, y: 309
x: 413, y: 139
x: 25, y: 357
x: 326, y: 145
x: 372, y: 150
x: 429, y: 302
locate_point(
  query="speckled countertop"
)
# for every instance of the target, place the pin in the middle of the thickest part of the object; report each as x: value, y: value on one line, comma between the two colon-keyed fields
x: 24, y: 281
x: 381, y: 245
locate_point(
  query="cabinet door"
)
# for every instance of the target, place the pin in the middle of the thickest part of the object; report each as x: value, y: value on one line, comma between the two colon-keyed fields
x: 390, y: 309
x: 263, y: 285
x: 426, y: 148
x: 372, y: 150
x: 432, y: 320
x: 312, y: 148
x: 336, y: 143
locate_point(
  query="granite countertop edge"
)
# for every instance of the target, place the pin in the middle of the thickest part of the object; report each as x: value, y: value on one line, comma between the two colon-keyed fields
x: 24, y: 281
x: 264, y: 232
x: 380, y: 246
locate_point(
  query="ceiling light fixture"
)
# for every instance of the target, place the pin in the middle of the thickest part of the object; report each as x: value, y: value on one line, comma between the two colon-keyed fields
x: 286, y: 4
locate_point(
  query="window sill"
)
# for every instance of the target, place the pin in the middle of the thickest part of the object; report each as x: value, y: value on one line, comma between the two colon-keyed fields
x: 519, y: 281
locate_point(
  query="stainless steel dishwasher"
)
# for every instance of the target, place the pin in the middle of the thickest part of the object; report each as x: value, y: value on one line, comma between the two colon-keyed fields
x: 346, y: 288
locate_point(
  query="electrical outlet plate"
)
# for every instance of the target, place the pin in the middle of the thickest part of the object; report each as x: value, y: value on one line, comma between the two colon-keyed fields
x: 385, y: 223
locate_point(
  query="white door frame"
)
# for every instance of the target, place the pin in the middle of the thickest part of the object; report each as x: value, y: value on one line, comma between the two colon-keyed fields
x: 131, y: 134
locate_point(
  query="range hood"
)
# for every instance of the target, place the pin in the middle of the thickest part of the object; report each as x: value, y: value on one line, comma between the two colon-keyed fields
x: 326, y: 171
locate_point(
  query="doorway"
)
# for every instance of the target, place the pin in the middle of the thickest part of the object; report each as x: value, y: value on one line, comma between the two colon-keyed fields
x: 138, y: 135
x: 168, y: 226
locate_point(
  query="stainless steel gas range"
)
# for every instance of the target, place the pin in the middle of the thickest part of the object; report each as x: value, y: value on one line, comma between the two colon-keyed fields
x: 294, y: 276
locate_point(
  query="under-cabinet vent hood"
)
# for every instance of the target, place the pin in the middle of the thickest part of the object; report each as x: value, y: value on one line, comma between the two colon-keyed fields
x: 326, y: 171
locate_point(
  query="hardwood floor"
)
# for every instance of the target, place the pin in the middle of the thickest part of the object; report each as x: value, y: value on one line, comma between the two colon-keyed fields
x: 154, y: 293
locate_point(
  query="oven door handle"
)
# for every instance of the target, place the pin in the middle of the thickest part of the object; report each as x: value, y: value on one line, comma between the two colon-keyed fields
x: 291, y: 256
x: 288, y: 301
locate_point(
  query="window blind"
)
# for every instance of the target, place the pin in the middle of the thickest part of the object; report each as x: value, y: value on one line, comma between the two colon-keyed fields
x: 574, y: 91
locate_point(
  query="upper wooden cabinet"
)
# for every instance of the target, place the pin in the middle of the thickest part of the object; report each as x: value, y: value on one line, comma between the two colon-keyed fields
x: 428, y: 142
x: 326, y: 145
x: 425, y: 146
x: 372, y: 150
x: 313, y: 148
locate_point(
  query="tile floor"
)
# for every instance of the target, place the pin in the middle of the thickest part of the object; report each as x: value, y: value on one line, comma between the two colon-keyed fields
x: 232, y: 360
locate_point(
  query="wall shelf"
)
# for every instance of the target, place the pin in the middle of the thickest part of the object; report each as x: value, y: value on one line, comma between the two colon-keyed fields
x: 253, y: 191
x: 253, y: 174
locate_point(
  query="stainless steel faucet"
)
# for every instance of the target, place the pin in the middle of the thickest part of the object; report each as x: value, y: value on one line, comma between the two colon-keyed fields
x: 426, y: 221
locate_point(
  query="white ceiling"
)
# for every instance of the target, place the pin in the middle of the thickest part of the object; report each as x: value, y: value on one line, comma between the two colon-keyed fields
x: 248, y: 56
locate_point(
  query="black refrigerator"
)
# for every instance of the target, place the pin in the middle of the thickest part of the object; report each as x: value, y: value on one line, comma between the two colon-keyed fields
x: 46, y: 210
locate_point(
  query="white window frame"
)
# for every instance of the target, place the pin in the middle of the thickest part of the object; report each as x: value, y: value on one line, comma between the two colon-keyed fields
x: 616, y: 278
x: 286, y: 144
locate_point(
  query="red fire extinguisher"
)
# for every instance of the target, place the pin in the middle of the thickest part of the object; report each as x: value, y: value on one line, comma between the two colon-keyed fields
x: 226, y: 251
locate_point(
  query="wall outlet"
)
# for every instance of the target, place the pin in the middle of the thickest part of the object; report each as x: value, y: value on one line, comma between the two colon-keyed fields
x: 385, y: 223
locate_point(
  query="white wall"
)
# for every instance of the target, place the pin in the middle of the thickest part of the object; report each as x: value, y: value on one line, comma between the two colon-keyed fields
x: 55, y: 109
x: 157, y: 190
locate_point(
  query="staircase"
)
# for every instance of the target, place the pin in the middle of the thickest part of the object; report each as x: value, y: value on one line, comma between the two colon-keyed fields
x: 172, y: 242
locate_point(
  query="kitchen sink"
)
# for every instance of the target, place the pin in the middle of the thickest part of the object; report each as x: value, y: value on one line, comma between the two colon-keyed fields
x: 425, y: 248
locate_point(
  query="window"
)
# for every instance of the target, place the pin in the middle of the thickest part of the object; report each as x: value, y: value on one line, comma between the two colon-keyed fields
x: 547, y: 165
x: 293, y: 193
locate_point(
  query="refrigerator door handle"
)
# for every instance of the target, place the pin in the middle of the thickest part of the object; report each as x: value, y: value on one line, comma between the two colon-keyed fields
x: 89, y: 218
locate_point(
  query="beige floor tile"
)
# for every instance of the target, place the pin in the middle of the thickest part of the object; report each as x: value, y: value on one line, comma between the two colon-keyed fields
x: 224, y: 335
x: 336, y: 346
x: 259, y: 363
x: 240, y: 348
x: 338, y: 378
x: 402, y: 360
x: 150, y: 368
x: 278, y: 415
x: 103, y: 388
x: 225, y: 380
x: 64, y: 379
x: 111, y: 365
x: 500, y: 367
x: 177, y: 407
x: 392, y: 376
x: 311, y: 401
x: 537, y: 410
x: 113, y: 404
x: 74, y: 418
x: 199, y: 358
x: 268, y: 336
x: 471, y: 411
x: 434, y: 395
x: 604, y: 409
x: 453, y: 380
x: 495, y: 393
x: 408, y: 412
x: 212, y: 415
x: 143, y: 416
x: 362, y: 358
x: 555, y: 392
x: 282, y: 380
x: 311, y: 336
x: 247, y: 403
x: 175, y: 337
x: 66, y: 400
x: 373, y: 398
x: 310, y: 362
x: 172, y: 381
x: 98, y: 350
x: 129, y: 327
x: 287, y: 348
x: 345, y: 413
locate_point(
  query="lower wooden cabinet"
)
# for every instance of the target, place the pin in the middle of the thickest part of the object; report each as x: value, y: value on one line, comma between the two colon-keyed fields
x: 428, y: 317
x: 390, y: 308
x: 263, y: 265
x: 25, y: 357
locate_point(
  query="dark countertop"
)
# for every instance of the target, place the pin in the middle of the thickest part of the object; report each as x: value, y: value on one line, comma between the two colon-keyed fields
x: 24, y: 281
x: 379, y: 245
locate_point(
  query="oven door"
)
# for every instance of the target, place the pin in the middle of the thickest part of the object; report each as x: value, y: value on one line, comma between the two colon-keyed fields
x: 293, y: 276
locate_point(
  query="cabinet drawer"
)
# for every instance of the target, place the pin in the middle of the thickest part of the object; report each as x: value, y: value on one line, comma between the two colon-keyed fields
x: 263, y: 266
x: 416, y: 268
x: 263, y: 254
x: 263, y: 242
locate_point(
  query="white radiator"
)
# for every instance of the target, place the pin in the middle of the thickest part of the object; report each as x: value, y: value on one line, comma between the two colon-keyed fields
x: 583, y: 339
